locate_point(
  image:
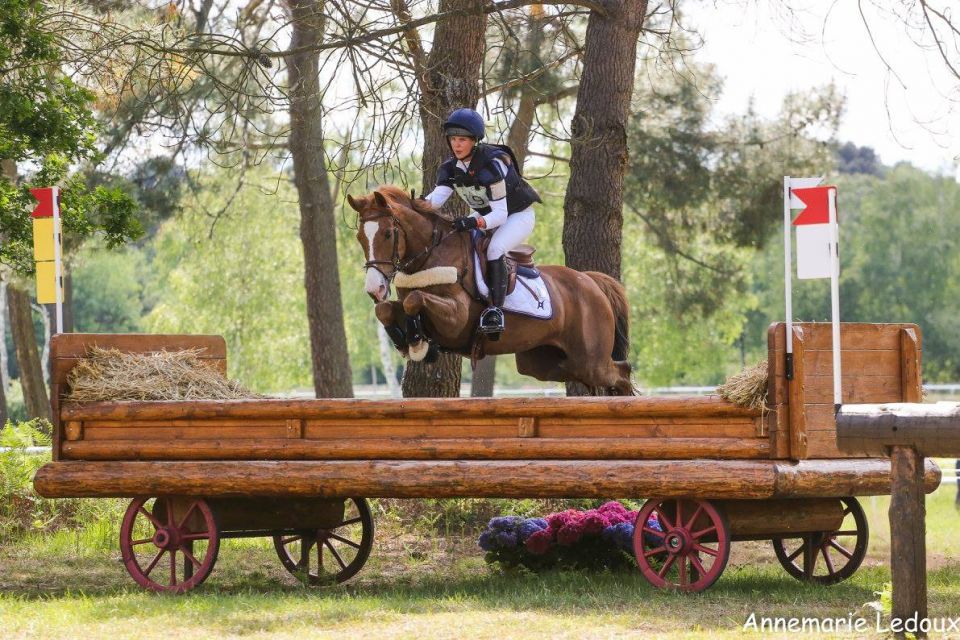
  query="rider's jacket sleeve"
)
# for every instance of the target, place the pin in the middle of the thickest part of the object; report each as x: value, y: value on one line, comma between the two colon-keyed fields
x: 439, y: 195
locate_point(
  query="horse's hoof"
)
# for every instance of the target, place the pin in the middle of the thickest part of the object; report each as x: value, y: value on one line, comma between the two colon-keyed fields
x: 419, y: 350
x: 433, y: 353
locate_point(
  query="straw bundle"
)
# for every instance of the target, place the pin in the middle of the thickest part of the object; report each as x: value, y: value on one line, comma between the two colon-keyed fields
x: 109, y: 374
x: 747, y: 388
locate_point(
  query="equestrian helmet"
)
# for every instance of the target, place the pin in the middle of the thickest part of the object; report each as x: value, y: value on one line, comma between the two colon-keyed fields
x: 464, y: 122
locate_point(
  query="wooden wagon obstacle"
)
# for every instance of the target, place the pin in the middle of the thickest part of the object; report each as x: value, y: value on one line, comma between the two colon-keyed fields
x: 906, y: 433
x: 301, y: 470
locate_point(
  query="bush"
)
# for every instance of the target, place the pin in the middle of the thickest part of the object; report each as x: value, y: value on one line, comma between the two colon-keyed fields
x: 23, y: 513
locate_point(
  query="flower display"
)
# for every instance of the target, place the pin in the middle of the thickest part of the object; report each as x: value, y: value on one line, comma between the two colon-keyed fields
x: 600, y: 537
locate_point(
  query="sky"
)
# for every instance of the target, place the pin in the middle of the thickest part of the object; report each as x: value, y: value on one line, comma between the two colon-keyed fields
x: 909, y: 112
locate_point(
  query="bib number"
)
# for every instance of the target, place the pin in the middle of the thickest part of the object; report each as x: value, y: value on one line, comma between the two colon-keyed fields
x: 475, y: 197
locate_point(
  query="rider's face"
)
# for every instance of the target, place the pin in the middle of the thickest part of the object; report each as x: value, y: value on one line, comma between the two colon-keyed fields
x: 462, y: 146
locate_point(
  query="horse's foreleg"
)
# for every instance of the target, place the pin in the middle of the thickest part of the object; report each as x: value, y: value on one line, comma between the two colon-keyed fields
x: 447, y: 315
x: 390, y: 315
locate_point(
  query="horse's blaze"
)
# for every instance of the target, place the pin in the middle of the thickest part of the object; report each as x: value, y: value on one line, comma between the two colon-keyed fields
x: 376, y: 284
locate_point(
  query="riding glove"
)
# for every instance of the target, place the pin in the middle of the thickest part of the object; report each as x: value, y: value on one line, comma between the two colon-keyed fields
x: 465, y: 224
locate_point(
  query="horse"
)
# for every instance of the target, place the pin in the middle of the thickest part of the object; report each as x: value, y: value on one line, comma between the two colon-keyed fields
x: 409, y: 243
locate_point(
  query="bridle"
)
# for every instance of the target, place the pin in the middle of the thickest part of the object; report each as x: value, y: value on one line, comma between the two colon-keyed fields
x: 437, y: 238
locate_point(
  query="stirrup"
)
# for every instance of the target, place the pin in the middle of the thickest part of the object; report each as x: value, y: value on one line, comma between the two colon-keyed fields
x: 492, y: 322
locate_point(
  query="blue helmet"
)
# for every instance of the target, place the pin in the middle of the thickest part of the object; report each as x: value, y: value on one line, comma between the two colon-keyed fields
x: 464, y: 122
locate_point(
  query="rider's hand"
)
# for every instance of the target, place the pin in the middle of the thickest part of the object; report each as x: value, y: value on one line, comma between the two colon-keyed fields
x: 465, y: 224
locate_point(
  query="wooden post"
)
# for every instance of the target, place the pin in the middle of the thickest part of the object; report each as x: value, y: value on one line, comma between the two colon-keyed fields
x: 798, y: 417
x: 908, y: 562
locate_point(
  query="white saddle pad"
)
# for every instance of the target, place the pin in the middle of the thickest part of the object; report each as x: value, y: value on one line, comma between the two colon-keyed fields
x: 532, y: 300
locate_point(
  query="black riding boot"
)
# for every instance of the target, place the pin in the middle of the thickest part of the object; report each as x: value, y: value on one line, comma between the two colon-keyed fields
x: 492, y: 320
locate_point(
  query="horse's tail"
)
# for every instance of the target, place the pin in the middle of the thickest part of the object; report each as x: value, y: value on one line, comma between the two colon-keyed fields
x: 617, y: 296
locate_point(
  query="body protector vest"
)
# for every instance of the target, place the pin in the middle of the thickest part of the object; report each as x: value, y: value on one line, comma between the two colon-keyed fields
x: 484, y: 181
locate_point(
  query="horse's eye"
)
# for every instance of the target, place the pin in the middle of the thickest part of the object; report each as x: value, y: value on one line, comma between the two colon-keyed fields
x: 387, y: 234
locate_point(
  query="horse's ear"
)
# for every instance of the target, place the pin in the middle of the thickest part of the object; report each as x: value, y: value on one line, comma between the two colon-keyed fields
x: 381, y: 200
x: 355, y: 204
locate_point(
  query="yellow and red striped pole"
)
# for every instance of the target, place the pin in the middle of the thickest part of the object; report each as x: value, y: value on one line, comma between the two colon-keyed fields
x: 47, y: 251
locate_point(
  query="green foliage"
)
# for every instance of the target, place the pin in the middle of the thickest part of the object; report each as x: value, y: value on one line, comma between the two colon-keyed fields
x: 42, y: 111
x: 108, y: 290
x: 232, y: 264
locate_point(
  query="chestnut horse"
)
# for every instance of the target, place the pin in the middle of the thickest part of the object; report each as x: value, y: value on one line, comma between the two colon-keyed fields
x: 584, y: 341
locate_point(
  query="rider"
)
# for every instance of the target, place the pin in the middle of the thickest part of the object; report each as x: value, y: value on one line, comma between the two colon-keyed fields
x: 486, y: 177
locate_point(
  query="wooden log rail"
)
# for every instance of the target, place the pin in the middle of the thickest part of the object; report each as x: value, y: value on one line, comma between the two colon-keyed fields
x: 906, y: 432
x: 735, y: 479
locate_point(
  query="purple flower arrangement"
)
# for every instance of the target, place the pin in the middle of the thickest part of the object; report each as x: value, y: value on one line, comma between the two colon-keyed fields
x: 601, y: 537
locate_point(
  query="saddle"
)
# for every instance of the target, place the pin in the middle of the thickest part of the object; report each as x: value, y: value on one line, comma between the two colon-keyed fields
x: 519, y: 260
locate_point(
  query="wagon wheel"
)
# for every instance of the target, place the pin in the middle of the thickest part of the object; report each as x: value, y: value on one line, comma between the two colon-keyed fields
x: 153, y: 537
x: 827, y: 557
x: 691, y: 550
x: 324, y: 556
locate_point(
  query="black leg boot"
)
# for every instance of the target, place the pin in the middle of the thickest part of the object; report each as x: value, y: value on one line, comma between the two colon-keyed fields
x: 492, y: 320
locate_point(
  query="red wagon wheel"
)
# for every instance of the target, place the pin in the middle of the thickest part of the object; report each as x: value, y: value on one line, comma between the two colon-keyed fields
x: 324, y: 556
x: 689, y: 547
x: 164, y: 550
x: 827, y: 557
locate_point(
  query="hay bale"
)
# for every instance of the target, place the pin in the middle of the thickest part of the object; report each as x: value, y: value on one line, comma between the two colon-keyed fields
x: 110, y: 374
x: 747, y: 388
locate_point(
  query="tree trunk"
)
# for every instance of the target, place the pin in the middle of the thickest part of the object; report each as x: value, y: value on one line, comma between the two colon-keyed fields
x: 4, y: 366
x: 452, y: 80
x: 332, y: 376
x: 593, y: 206
x: 28, y: 358
x: 518, y: 139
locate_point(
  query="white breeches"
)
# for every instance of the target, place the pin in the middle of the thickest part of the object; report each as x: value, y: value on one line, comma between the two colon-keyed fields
x: 511, y: 233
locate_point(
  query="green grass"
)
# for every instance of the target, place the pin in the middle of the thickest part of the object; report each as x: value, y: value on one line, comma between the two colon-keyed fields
x: 72, y: 585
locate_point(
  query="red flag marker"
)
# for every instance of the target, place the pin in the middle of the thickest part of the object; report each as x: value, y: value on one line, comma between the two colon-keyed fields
x: 45, y: 198
x: 818, y: 205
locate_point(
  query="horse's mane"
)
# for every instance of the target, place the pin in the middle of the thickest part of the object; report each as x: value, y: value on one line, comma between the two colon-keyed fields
x: 398, y: 195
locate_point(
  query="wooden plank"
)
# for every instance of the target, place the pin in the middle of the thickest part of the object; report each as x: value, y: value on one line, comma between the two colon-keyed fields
x: 608, y: 479
x: 518, y: 448
x: 67, y: 348
x: 328, y: 408
x: 840, y: 478
x: 779, y: 420
x: 294, y: 429
x: 823, y: 445
x: 860, y: 363
x: 75, y: 345
x: 854, y: 336
x: 797, y: 399
x: 856, y: 389
x: 527, y: 427
x: 73, y: 430
x: 912, y: 384
x: 197, y: 424
x: 329, y: 430
x: 665, y: 430
x: 165, y: 433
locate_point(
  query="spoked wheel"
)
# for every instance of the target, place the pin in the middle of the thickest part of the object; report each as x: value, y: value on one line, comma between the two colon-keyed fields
x: 169, y: 545
x: 827, y: 557
x: 324, y: 556
x: 689, y: 547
